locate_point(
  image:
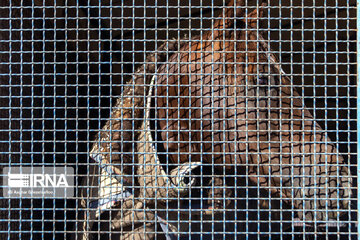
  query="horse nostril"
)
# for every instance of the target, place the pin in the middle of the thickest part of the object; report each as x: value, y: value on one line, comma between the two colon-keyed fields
x: 263, y: 80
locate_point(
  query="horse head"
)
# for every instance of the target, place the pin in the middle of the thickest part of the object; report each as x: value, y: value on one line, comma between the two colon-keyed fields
x: 223, y: 99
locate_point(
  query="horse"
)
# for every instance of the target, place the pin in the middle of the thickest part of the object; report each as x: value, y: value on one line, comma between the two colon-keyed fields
x: 223, y: 99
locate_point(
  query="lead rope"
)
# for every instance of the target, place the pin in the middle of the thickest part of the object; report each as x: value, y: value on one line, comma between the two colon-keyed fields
x: 108, y: 150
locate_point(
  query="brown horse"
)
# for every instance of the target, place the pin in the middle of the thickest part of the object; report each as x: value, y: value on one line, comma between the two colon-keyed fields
x: 224, y: 100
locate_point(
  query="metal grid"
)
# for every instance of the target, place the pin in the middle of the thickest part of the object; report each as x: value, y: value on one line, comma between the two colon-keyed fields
x: 182, y: 119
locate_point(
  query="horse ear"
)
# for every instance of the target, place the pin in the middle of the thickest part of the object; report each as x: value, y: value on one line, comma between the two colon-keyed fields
x: 252, y: 19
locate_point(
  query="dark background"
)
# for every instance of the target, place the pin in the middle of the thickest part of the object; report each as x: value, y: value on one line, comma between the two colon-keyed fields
x: 63, y: 63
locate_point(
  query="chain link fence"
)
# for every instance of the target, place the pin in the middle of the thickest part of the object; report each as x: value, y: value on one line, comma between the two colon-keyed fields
x: 214, y: 119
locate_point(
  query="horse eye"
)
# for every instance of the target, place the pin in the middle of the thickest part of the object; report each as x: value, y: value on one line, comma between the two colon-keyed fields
x: 263, y: 80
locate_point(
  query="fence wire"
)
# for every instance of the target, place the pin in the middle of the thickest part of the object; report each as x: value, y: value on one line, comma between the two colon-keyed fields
x: 214, y: 119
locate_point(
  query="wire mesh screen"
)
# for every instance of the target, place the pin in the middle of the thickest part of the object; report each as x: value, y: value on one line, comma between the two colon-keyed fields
x: 214, y: 119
